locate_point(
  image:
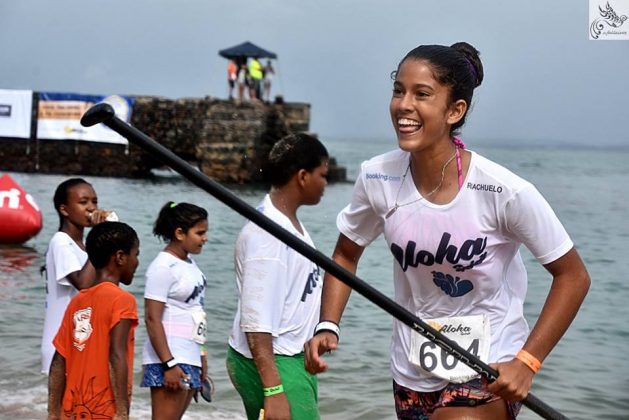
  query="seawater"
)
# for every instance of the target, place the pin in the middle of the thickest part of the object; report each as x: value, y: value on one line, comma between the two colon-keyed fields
x: 586, y: 376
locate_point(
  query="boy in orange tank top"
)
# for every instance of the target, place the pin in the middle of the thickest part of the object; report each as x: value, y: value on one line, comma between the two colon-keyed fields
x: 92, y: 369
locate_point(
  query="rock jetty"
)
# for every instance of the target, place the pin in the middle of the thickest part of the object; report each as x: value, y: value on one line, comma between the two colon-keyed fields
x: 226, y: 140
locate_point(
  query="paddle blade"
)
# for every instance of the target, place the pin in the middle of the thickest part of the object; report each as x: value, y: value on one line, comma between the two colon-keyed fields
x: 97, y: 114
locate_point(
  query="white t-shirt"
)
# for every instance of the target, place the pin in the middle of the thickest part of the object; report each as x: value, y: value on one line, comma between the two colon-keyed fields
x: 62, y: 258
x: 181, y: 286
x: 279, y: 289
x: 461, y: 258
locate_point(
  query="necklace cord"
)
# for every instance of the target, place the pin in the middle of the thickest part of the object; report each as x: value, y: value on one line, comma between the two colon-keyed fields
x: 457, y: 144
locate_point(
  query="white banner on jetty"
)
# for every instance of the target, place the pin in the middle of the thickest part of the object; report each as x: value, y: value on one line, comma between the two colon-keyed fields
x: 59, y: 116
x: 15, y: 113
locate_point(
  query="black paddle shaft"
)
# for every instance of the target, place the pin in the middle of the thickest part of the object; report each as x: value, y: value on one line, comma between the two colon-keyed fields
x: 104, y: 113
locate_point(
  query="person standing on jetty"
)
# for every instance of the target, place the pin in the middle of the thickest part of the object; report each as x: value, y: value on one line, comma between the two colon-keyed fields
x: 454, y: 222
x: 67, y: 267
x: 232, y: 75
x: 255, y: 74
x: 268, y: 72
x: 91, y: 375
x: 279, y: 290
x: 175, y: 357
x: 242, y: 81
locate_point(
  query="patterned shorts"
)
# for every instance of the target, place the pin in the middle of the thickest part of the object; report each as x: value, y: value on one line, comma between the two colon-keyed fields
x: 415, y: 405
x: 154, y: 375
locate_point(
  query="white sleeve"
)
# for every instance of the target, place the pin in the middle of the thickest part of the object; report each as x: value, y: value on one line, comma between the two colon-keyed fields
x: 159, y: 280
x: 531, y: 220
x: 358, y: 221
x: 264, y: 285
x: 65, y: 261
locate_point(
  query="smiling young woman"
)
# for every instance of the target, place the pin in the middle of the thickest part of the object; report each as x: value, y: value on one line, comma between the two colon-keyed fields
x: 454, y: 222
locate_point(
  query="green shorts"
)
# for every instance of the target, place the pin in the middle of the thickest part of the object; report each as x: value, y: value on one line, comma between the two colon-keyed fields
x: 301, y: 388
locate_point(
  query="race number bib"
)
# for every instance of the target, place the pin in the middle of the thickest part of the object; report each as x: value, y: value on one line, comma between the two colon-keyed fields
x: 472, y: 333
x: 200, y: 327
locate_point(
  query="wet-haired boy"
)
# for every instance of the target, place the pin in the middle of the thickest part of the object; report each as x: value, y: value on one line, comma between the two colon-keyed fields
x: 280, y: 290
x: 92, y: 369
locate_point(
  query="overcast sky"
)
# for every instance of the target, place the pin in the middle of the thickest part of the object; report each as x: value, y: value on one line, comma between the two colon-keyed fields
x: 545, y: 82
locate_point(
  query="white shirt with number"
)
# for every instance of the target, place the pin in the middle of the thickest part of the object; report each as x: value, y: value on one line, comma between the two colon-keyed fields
x: 279, y: 289
x: 180, y: 285
x: 456, y: 259
x: 63, y: 257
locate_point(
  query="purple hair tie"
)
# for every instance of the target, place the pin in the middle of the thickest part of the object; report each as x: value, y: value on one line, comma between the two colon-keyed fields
x: 472, y: 69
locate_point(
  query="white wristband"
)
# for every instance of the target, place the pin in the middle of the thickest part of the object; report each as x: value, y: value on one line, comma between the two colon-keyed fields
x: 328, y: 326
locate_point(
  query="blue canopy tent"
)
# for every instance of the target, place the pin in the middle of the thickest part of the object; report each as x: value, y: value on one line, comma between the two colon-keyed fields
x: 241, y: 52
x: 244, y: 50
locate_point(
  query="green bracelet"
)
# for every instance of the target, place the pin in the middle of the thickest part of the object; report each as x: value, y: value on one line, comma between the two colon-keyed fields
x: 272, y: 390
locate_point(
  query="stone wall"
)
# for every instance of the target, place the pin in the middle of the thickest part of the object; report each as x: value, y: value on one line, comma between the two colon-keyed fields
x: 66, y: 157
x: 224, y: 139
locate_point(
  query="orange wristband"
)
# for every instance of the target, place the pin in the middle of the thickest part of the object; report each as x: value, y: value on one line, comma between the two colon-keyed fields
x: 528, y: 359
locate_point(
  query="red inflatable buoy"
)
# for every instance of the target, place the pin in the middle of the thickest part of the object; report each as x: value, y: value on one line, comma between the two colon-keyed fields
x: 20, y: 218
